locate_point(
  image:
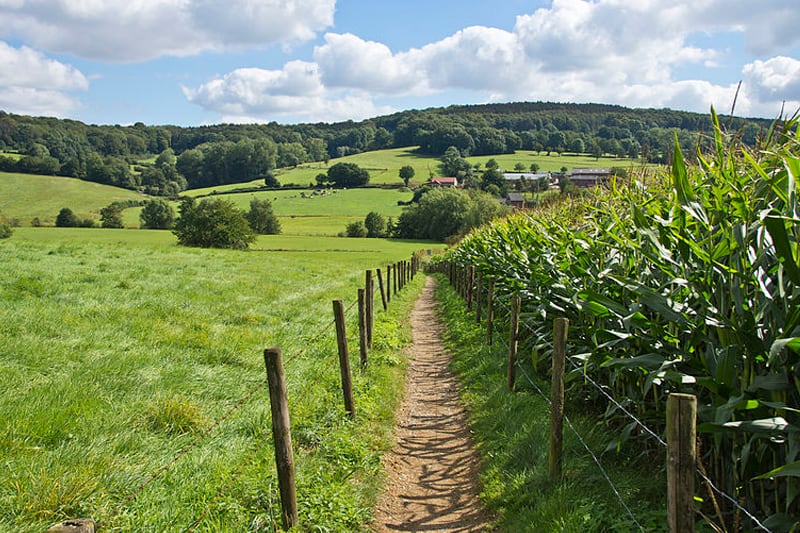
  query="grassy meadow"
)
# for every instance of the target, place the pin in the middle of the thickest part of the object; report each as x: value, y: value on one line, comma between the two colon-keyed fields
x: 121, y: 349
x: 25, y: 196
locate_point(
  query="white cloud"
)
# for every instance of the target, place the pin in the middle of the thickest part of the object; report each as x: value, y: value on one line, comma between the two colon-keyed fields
x: 296, y: 92
x: 349, y: 61
x: 137, y: 30
x: 775, y: 79
x: 30, y: 83
x: 616, y: 51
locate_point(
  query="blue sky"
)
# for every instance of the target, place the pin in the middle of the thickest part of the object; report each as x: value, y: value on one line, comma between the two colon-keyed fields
x: 193, y: 62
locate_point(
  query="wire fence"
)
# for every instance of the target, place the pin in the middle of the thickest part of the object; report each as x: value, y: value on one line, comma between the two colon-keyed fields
x: 309, y: 384
x: 506, y: 312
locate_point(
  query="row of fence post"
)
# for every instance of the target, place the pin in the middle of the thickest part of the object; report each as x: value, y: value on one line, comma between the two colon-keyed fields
x: 398, y: 275
x: 681, y: 408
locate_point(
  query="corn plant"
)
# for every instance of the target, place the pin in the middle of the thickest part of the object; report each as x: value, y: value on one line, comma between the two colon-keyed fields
x: 682, y: 281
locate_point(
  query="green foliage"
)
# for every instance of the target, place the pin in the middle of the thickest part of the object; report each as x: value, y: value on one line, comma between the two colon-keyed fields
x: 375, y: 225
x: 406, y: 173
x: 512, y: 432
x: 212, y: 223
x: 67, y: 219
x: 5, y: 228
x: 347, y: 175
x: 356, y: 229
x: 447, y: 214
x: 261, y: 217
x: 111, y: 216
x: 157, y: 214
x: 686, y: 283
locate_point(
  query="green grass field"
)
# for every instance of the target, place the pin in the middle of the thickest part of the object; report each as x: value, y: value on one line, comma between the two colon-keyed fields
x: 120, y: 349
x: 25, y: 196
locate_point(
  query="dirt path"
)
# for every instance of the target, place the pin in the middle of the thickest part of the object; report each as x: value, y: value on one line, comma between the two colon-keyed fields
x: 432, y: 484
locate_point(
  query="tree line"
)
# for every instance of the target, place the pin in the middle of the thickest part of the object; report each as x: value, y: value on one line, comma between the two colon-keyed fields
x: 228, y: 153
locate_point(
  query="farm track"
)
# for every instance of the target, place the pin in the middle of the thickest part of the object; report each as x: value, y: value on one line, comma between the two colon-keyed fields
x: 432, y: 468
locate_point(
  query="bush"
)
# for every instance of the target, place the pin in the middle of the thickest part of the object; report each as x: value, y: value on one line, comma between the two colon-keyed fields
x: 375, y: 225
x: 5, y: 228
x: 356, y: 229
x: 111, y: 216
x: 347, y: 175
x: 261, y: 218
x: 67, y: 219
x: 157, y: 214
x: 213, y: 223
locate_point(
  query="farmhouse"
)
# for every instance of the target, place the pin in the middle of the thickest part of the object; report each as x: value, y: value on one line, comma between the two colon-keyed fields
x: 590, y: 177
x: 444, y: 182
x: 515, y: 200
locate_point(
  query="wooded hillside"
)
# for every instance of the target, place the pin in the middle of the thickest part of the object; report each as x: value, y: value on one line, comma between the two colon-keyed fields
x: 228, y: 153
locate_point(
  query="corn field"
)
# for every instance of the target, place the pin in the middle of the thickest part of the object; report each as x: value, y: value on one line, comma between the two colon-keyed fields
x: 680, y: 280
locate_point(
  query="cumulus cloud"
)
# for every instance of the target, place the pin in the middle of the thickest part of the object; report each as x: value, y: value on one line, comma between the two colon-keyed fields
x: 296, y: 91
x: 615, y: 51
x: 137, y: 30
x: 32, y: 84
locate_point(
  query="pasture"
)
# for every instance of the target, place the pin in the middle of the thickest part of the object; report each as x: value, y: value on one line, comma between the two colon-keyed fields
x: 121, y: 349
x: 25, y: 196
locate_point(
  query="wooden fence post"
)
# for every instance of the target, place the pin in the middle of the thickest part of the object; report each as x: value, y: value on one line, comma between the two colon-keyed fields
x: 363, y: 344
x: 560, y: 331
x: 370, y: 307
x: 681, y: 461
x: 388, y: 283
x: 394, y: 278
x: 513, y: 342
x: 344, y: 358
x: 383, y: 292
x: 490, y: 314
x: 470, y: 287
x: 282, y: 436
x: 478, y: 298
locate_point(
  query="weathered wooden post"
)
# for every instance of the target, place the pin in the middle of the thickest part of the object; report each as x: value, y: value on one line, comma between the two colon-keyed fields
x: 383, y: 292
x: 370, y: 307
x: 560, y: 331
x: 282, y: 436
x: 396, y: 271
x: 681, y: 461
x: 478, y: 298
x: 388, y: 283
x: 470, y: 287
x: 490, y: 314
x: 513, y: 342
x: 344, y: 358
x: 363, y: 344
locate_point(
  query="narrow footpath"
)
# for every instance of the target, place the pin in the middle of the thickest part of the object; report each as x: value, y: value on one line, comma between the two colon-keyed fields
x: 432, y: 468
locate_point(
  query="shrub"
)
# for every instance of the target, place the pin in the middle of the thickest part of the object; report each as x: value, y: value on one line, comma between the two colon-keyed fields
x: 213, y: 223
x: 375, y: 225
x: 5, y: 228
x: 157, y: 214
x: 67, y: 219
x: 356, y: 229
x: 111, y: 216
x: 261, y: 218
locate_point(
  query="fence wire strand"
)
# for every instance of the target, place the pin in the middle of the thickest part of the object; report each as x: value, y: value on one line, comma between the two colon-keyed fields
x: 588, y: 450
x: 323, y: 371
x: 499, y: 303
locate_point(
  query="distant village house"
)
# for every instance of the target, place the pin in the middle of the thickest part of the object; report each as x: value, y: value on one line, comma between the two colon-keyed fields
x: 515, y: 200
x: 590, y: 177
x: 444, y: 182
